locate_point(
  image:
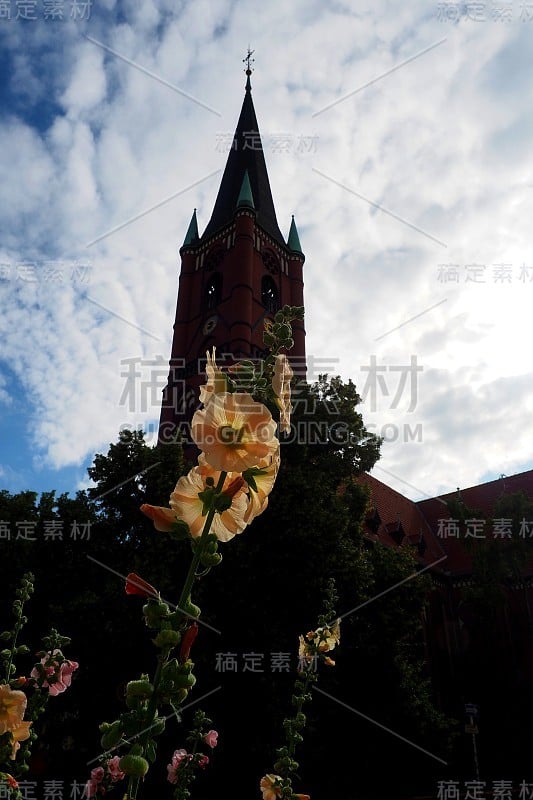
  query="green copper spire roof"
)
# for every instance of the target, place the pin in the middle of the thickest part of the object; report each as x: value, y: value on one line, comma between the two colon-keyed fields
x: 293, y: 241
x: 246, y: 197
x: 192, y: 231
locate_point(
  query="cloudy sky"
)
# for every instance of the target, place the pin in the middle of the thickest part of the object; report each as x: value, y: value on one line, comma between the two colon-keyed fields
x: 399, y: 135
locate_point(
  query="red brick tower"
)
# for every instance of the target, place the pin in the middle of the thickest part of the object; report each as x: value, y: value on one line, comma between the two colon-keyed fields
x: 238, y: 272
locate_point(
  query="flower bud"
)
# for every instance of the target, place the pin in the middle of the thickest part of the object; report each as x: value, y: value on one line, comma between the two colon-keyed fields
x: 112, y: 736
x: 167, y: 638
x: 133, y: 766
x: 142, y: 689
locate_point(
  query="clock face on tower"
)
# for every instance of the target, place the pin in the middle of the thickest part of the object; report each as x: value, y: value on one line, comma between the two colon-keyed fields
x: 209, y: 325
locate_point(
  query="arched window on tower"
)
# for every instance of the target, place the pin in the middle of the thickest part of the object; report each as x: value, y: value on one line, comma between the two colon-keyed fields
x: 269, y: 294
x: 213, y: 291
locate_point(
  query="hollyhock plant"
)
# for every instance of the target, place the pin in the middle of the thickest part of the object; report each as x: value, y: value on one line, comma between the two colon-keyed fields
x: 229, y: 486
x: 22, y: 696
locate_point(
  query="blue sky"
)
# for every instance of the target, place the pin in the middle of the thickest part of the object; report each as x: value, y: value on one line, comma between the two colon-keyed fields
x: 399, y: 137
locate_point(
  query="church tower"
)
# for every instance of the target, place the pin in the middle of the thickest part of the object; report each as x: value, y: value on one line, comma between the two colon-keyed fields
x: 237, y: 273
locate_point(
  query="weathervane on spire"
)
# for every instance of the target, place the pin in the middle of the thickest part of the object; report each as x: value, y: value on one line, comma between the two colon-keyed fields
x: 249, y: 60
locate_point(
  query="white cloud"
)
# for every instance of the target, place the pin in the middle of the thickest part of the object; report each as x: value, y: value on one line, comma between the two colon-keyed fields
x: 439, y: 143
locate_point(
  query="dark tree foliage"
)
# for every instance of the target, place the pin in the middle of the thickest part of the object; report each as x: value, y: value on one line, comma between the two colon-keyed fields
x: 495, y: 620
x: 268, y: 589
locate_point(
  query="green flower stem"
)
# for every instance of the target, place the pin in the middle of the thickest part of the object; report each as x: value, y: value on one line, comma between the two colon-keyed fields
x: 133, y: 784
x: 18, y: 608
x: 189, y: 580
x: 299, y: 705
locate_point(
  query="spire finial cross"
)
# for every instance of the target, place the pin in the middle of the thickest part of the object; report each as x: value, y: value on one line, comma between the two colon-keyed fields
x: 249, y: 60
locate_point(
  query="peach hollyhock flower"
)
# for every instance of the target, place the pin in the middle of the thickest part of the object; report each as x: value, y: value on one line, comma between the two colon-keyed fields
x: 270, y: 785
x: 281, y: 386
x: 62, y: 669
x: 216, y: 381
x: 264, y: 482
x: 12, y: 707
x: 327, y: 638
x: 234, y: 432
x: 19, y: 734
x: 163, y: 518
x: 188, y: 506
x: 320, y: 641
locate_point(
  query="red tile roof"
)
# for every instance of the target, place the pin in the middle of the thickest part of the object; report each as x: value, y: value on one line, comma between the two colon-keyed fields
x: 420, y: 520
x: 395, y: 509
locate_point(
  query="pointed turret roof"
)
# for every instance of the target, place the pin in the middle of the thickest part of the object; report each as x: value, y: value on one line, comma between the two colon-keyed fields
x: 192, y: 231
x: 246, y: 155
x: 293, y: 241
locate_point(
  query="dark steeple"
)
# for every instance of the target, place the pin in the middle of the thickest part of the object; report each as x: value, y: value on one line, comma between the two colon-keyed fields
x: 246, y: 155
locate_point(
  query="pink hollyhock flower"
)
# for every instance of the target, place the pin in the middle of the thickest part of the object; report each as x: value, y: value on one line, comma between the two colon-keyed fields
x: 211, y: 738
x: 177, y: 759
x: 203, y: 761
x: 91, y: 788
x: 172, y: 774
x: 114, y: 770
x: 62, y: 670
x: 138, y: 586
x: 179, y: 756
